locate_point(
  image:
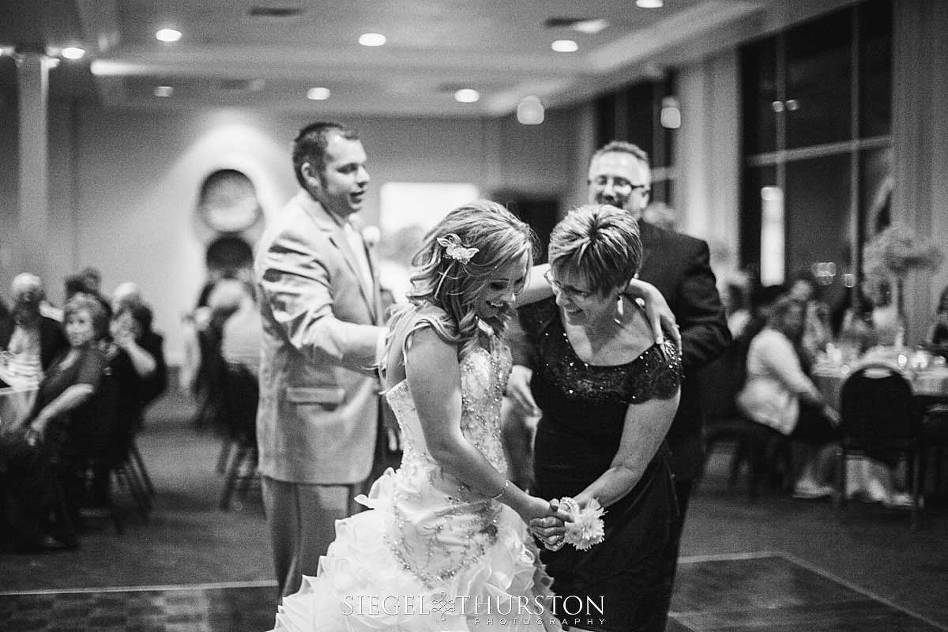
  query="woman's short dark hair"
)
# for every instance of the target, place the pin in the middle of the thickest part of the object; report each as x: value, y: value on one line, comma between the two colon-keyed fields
x: 97, y: 313
x: 599, y: 242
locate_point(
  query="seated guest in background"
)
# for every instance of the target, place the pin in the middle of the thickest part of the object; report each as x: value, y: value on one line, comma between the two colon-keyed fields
x: 62, y: 415
x: 132, y: 333
x: 938, y: 332
x: 29, y: 340
x: 816, y: 317
x: 242, y: 335
x: 856, y: 334
x: 137, y: 318
x: 778, y: 394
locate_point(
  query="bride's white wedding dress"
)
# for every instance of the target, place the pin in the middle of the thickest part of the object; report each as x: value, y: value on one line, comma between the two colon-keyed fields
x: 431, y: 554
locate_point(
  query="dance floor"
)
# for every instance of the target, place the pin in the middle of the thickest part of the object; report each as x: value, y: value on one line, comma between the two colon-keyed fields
x: 760, y: 591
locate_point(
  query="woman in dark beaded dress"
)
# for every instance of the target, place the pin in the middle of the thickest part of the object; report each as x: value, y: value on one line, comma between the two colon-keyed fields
x: 608, y: 393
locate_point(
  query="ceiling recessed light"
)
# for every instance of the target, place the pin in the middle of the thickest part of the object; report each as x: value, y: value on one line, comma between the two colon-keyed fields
x: 372, y: 39
x: 73, y: 52
x: 650, y: 4
x: 565, y: 46
x: 168, y: 35
x: 317, y: 94
x: 467, y: 95
x: 591, y: 27
x: 530, y: 111
x: 163, y: 91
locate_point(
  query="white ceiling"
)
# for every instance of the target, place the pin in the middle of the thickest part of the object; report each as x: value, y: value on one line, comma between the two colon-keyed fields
x: 499, y: 47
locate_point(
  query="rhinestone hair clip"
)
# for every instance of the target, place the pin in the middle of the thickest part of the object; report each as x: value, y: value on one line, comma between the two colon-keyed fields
x: 454, y: 249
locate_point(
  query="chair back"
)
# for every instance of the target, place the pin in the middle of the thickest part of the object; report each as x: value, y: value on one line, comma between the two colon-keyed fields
x: 241, y: 395
x: 96, y: 429
x: 877, y: 407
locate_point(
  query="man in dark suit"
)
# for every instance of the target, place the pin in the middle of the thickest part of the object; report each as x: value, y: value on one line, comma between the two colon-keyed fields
x: 676, y: 264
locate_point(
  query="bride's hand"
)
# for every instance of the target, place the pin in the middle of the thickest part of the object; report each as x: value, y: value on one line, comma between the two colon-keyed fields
x: 550, y: 528
x: 657, y: 311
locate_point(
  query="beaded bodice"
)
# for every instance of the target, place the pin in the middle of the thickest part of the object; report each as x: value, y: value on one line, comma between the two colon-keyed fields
x: 483, y: 380
x: 440, y: 524
x: 585, y: 405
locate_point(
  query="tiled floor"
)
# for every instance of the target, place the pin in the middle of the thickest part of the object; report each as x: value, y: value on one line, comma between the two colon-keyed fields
x: 721, y: 594
x: 209, y: 608
x: 774, y: 592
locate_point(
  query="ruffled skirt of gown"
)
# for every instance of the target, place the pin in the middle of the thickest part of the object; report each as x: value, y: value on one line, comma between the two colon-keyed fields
x: 365, y: 581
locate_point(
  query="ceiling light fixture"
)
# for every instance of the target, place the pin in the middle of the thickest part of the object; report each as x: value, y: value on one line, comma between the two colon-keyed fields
x: 163, y: 91
x: 565, y: 46
x: 650, y: 4
x: 168, y: 35
x: 670, y: 116
x: 73, y: 52
x: 590, y: 27
x: 372, y: 39
x: 318, y: 94
x: 467, y: 95
x: 530, y: 111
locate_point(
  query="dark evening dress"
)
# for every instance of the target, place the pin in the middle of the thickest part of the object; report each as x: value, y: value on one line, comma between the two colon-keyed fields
x: 584, y: 408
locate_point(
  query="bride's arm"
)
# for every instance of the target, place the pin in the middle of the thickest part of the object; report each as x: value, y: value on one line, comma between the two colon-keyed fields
x: 657, y: 311
x: 434, y: 378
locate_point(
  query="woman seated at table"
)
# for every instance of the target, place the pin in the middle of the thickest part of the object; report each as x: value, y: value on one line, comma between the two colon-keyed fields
x: 778, y: 394
x: 62, y: 406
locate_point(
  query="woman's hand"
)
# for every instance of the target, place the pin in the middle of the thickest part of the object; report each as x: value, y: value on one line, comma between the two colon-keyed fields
x: 657, y: 311
x: 550, y: 526
x: 36, y: 433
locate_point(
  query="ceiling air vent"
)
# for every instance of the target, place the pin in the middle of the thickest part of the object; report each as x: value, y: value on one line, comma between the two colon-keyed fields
x: 583, y: 25
x: 239, y: 85
x: 274, y: 12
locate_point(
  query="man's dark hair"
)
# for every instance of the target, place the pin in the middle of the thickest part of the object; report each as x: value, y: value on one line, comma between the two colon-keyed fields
x: 310, y: 146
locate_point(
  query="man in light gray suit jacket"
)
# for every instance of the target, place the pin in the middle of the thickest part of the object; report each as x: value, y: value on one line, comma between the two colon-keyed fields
x: 321, y: 311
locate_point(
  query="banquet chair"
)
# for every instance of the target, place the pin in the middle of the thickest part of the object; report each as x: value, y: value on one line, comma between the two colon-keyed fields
x: 239, y: 413
x: 879, y: 415
x: 107, y: 450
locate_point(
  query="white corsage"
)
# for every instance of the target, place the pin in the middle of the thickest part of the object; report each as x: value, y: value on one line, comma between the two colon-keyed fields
x: 586, y: 528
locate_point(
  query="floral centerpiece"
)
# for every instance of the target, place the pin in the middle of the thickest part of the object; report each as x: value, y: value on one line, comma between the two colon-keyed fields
x: 890, y: 255
x: 887, y: 259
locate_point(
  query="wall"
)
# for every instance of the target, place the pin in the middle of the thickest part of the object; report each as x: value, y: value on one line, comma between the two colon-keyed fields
x: 708, y: 160
x: 9, y: 185
x: 920, y: 143
x: 138, y: 173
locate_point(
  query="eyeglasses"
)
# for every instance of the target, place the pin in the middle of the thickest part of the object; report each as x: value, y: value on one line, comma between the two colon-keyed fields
x: 568, y: 291
x: 620, y: 183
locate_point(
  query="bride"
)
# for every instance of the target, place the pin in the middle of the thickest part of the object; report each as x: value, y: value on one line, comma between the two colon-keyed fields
x: 445, y: 546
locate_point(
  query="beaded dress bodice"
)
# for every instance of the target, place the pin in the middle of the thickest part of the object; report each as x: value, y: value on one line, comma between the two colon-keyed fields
x: 584, y: 405
x: 440, y: 525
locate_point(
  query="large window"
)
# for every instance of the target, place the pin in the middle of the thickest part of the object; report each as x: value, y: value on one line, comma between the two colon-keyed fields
x: 816, y: 124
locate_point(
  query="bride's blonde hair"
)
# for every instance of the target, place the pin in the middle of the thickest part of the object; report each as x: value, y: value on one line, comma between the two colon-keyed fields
x: 450, y: 274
